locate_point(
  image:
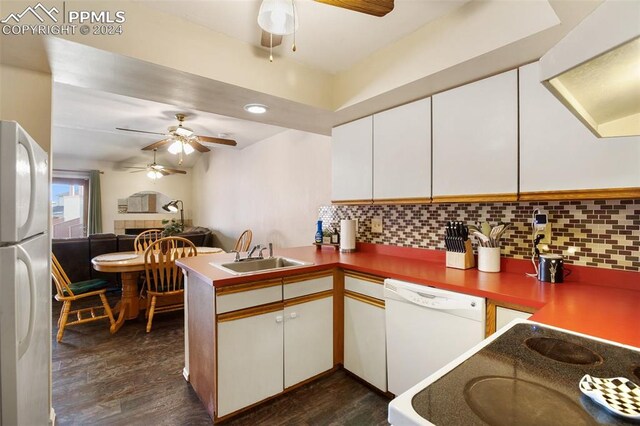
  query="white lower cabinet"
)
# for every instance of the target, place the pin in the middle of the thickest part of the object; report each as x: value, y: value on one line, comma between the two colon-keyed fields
x: 364, y: 342
x: 266, y: 344
x: 308, y: 340
x: 365, y: 353
x: 250, y: 360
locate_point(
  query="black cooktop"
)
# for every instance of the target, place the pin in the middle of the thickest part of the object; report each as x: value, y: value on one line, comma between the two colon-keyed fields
x: 528, y: 376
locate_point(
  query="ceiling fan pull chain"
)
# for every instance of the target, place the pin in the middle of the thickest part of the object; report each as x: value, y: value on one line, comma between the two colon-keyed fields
x: 293, y: 8
x: 270, y: 47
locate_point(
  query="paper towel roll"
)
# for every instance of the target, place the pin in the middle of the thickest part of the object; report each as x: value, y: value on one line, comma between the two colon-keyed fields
x: 348, y: 235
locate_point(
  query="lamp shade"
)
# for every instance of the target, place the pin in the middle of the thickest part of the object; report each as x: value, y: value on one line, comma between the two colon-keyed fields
x: 172, y: 206
x: 278, y: 17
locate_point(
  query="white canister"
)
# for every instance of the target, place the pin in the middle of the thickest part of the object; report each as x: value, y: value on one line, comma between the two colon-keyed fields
x: 348, y: 235
x: 489, y: 259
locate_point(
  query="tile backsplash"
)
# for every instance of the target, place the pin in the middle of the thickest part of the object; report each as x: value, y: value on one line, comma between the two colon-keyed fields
x: 605, y: 233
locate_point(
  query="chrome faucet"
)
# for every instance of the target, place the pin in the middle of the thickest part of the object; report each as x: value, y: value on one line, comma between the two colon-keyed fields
x: 260, y: 256
x: 270, y: 250
x: 256, y: 247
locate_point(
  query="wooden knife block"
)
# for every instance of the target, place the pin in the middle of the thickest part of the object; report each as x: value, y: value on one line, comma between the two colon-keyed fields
x: 461, y: 260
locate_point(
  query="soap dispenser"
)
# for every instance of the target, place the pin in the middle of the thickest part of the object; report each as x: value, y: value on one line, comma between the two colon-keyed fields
x: 319, y: 233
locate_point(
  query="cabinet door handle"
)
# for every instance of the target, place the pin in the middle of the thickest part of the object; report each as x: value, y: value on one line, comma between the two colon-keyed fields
x: 279, y: 319
x: 293, y: 315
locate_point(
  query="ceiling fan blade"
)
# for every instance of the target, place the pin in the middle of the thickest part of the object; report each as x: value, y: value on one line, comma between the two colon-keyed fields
x: 156, y: 145
x: 164, y: 172
x: 140, y: 131
x: 198, y: 146
x: 211, y: 139
x: 370, y: 7
x: 266, y: 42
x: 182, y: 172
x: 134, y: 167
x: 138, y: 171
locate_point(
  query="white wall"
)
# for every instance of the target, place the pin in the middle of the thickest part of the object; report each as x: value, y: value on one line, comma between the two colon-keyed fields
x: 273, y: 187
x: 116, y: 183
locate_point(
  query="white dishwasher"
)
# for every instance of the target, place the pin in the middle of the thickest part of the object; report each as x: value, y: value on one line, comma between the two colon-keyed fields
x: 426, y: 329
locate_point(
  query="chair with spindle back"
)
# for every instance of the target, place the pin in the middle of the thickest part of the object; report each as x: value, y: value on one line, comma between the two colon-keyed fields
x: 68, y: 292
x: 244, y: 241
x: 164, y: 278
x: 145, y: 239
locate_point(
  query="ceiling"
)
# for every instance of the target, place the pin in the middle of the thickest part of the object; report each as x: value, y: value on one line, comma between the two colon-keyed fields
x: 328, y: 38
x: 201, y: 57
x: 85, y: 121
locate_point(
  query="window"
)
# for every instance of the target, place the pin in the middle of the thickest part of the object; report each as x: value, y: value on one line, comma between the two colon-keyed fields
x: 70, y: 207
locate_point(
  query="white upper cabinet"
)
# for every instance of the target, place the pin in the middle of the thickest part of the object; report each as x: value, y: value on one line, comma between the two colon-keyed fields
x: 402, y: 152
x: 557, y: 152
x: 351, y: 161
x: 475, y: 138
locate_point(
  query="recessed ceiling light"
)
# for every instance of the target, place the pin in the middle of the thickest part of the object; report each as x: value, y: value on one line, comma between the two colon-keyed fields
x: 256, y: 108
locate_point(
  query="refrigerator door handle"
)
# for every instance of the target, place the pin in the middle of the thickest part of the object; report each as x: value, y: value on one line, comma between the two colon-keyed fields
x: 23, y: 344
x: 32, y: 195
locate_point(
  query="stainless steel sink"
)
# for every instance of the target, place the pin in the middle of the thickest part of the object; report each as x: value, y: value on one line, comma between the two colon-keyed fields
x: 254, y: 266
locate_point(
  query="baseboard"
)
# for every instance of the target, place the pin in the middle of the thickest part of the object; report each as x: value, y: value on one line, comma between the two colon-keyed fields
x: 52, y: 417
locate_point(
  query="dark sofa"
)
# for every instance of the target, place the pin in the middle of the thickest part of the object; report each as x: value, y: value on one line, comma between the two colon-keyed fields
x: 75, y: 254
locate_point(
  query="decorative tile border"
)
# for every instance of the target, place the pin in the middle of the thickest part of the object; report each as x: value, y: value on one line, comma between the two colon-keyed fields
x: 605, y: 233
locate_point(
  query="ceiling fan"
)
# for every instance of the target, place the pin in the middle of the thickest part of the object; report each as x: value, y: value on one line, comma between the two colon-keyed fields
x: 370, y: 7
x: 181, y: 140
x: 279, y: 17
x: 155, y: 170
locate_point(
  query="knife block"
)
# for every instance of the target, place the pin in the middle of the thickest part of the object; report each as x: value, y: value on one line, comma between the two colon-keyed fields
x: 461, y: 260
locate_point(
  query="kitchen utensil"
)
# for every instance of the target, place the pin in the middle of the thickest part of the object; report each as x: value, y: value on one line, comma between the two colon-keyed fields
x: 483, y: 239
x: 485, y: 228
x: 504, y: 228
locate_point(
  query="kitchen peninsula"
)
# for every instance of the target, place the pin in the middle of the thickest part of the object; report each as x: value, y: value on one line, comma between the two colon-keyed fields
x: 270, y: 345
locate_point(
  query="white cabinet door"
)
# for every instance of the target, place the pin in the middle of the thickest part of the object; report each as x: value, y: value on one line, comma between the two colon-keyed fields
x: 364, y: 342
x: 351, y: 161
x: 505, y: 315
x: 475, y: 138
x: 558, y: 152
x: 402, y: 152
x: 308, y: 340
x: 250, y: 360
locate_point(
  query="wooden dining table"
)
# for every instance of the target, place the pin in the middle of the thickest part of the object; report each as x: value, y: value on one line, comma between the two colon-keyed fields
x: 129, y: 266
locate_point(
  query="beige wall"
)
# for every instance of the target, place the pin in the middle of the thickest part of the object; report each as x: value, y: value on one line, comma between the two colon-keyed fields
x: 25, y: 97
x: 273, y: 187
x: 116, y: 183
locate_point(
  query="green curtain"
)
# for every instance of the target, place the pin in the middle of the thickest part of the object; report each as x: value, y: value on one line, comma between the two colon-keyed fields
x: 95, y: 203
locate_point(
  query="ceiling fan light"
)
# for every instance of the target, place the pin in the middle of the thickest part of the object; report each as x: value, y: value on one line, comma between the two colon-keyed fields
x: 188, y: 149
x: 278, y: 17
x: 153, y: 174
x: 175, y: 147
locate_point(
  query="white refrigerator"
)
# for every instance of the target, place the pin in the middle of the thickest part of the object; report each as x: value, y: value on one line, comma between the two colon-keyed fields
x: 25, y: 282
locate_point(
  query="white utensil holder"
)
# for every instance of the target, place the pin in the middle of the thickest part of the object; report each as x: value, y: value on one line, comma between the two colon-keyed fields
x: 489, y: 259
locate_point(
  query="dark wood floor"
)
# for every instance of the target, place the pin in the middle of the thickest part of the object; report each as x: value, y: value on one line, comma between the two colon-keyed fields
x: 136, y: 378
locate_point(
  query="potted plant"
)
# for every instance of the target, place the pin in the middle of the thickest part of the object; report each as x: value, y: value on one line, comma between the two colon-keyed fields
x: 171, y: 227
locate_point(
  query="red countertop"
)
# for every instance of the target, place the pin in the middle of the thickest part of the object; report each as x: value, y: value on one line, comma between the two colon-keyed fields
x: 604, y: 304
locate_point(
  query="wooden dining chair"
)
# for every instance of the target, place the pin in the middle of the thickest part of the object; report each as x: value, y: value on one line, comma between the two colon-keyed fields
x: 68, y: 292
x: 244, y: 241
x: 145, y: 239
x: 164, y: 278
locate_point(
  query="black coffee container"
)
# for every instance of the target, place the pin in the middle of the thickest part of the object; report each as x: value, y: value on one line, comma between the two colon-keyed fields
x: 551, y: 268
